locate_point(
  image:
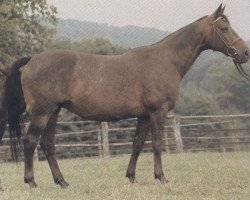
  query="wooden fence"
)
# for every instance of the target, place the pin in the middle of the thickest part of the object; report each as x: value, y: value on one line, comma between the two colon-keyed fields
x: 183, y: 134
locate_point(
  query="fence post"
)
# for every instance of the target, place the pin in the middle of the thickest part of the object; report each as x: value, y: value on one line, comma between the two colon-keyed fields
x: 177, y: 134
x: 99, y: 138
x: 165, y: 137
x: 235, y: 134
x: 36, y: 158
x: 105, y: 139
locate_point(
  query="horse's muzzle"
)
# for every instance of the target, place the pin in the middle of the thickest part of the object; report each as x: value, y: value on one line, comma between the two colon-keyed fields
x: 241, y: 58
x: 246, y: 55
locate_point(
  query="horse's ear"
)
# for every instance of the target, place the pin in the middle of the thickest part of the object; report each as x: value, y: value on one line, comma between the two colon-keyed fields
x: 218, y: 12
x: 223, y: 9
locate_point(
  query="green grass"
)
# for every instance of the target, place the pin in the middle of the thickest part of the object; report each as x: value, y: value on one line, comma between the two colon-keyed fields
x: 222, y: 176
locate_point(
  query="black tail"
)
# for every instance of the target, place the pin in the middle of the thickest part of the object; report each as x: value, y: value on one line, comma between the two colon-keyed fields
x: 15, y: 104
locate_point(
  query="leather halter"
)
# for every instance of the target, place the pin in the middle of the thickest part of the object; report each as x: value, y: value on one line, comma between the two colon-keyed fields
x: 231, y: 50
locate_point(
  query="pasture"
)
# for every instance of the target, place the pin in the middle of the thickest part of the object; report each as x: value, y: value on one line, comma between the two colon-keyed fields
x: 192, y: 176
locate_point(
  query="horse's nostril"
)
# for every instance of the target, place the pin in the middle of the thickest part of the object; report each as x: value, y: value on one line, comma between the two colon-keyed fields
x: 247, y: 54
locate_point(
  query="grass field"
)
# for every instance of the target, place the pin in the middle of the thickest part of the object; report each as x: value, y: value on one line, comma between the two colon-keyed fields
x: 222, y: 176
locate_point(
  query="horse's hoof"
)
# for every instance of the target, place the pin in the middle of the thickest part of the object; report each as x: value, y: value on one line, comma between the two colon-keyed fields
x: 131, y: 178
x: 33, y: 184
x: 162, y: 179
x: 30, y: 182
x: 63, y: 184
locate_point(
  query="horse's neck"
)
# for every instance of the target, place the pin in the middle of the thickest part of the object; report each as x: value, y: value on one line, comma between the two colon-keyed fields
x: 184, y: 46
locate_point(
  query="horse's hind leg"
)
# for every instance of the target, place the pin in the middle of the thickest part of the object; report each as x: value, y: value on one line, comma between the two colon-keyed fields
x: 38, y: 123
x: 141, y: 133
x: 47, y: 144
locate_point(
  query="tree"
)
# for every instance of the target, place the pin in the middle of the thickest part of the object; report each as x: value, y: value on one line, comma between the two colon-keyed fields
x: 98, y: 46
x: 195, y: 101
x: 89, y: 45
x: 26, y: 27
x: 233, y: 94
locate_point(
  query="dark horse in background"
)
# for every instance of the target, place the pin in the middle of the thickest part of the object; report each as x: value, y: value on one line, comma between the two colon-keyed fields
x: 143, y: 82
x: 3, y: 109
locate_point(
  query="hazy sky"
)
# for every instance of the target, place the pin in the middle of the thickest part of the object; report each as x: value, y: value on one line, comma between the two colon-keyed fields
x: 168, y: 15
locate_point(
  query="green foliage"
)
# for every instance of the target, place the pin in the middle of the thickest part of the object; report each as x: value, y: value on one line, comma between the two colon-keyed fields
x: 230, y: 89
x: 26, y: 27
x: 235, y: 90
x: 91, y: 45
x: 240, y: 95
x: 195, y: 101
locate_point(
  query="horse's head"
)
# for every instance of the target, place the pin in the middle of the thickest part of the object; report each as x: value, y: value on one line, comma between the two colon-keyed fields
x: 221, y: 37
x: 3, y: 109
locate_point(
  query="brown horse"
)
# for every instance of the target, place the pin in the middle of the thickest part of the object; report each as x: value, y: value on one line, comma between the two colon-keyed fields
x: 143, y: 82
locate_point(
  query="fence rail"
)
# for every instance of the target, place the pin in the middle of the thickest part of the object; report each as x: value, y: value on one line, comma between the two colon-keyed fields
x: 183, y: 134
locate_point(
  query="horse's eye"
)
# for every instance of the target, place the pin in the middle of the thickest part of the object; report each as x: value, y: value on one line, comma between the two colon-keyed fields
x: 224, y: 29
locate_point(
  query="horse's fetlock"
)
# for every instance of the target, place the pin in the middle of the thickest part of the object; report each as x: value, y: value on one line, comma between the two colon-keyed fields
x: 131, y: 177
x: 130, y: 174
x: 28, y: 180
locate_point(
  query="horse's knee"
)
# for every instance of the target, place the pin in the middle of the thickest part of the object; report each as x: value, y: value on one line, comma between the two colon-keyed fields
x: 30, y: 142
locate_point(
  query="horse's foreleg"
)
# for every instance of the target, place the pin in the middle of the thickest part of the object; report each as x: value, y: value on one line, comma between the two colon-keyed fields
x: 157, y: 122
x: 141, y: 133
x: 48, y: 146
x: 36, y: 128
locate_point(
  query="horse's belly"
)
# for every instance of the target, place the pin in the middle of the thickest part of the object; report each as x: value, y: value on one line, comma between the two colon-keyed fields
x: 106, y: 109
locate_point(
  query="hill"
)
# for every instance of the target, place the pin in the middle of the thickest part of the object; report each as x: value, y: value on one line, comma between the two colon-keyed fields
x: 127, y: 36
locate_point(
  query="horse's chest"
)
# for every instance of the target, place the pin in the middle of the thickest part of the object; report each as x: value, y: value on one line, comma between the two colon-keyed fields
x: 158, y: 95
